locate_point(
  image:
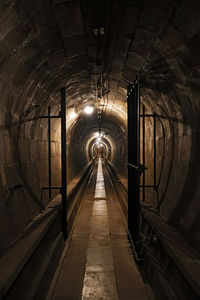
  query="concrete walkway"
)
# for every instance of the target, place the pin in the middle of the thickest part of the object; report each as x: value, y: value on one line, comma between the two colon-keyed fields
x: 98, y: 263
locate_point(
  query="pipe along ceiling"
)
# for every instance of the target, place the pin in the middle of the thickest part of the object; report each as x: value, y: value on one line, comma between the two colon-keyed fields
x: 95, y: 49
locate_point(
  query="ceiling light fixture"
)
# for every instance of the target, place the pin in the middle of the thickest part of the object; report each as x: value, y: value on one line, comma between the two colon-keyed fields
x: 88, y: 109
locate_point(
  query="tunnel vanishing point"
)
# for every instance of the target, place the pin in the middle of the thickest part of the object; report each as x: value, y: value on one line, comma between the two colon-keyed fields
x: 100, y: 149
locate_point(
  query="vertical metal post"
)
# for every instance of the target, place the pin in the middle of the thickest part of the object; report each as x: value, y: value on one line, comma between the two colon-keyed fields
x: 154, y: 142
x: 131, y: 141
x: 49, y: 148
x: 63, y: 162
x: 134, y: 159
x: 138, y: 160
x: 143, y: 150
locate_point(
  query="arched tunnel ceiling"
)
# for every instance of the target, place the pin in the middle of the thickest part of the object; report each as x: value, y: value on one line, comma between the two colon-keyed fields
x: 95, y: 49
x: 49, y: 44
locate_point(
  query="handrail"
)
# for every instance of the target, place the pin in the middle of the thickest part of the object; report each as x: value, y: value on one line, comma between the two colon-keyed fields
x: 123, y: 186
x: 118, y: 180
x: 132, y: 166
x: 82, y: 177
x: 137, y: 258
x: 75, y: 186
x: 139, y: 169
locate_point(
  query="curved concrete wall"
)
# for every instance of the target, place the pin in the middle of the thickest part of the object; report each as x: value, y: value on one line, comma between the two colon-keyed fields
x: 177, y: 160
x: 33, y: 66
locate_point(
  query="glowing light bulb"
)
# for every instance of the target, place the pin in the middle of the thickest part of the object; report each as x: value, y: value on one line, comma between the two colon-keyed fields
x: 99, y: 138
x: 88, y: 109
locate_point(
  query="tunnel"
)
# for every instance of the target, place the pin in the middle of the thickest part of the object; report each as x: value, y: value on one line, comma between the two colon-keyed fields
x: 100, y: 149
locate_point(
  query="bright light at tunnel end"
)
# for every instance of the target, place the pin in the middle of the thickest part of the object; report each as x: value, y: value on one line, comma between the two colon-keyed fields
x: 88, y: 109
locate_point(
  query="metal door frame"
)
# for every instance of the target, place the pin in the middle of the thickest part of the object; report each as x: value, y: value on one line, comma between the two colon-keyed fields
x: 155, y: 184
x: 135, y: 168
x: 63, y: 187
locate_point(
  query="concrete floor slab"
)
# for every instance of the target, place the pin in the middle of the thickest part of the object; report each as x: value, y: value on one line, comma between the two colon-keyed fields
x: 99, y: 208
x: 100, y: 186
x: 99, y: 259
x: 99, y: 240
x: 99, y: 285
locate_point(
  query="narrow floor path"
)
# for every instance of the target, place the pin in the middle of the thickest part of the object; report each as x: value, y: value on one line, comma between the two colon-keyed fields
x: 98, y: 264
x: 100, y: 191
x: 99, y: 281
